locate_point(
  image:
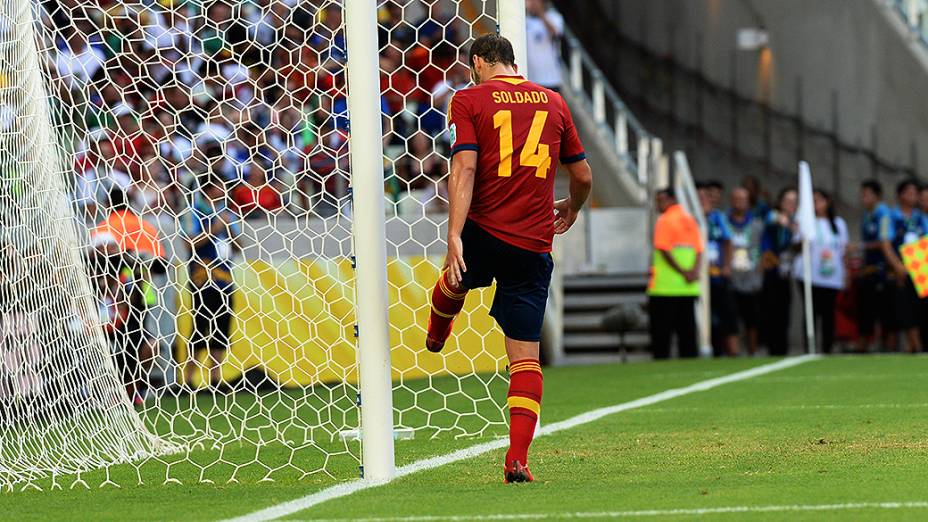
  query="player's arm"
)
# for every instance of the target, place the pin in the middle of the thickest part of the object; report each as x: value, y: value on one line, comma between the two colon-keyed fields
x: 460, y: 194
x: 581, y: 183
x: 573, y: 158
x: 461, y: 181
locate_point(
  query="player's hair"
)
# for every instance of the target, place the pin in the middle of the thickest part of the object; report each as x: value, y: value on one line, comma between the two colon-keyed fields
x: 873, y: 186
x: 905, y: 184
x: 492, y: 48
x: 715, y: 184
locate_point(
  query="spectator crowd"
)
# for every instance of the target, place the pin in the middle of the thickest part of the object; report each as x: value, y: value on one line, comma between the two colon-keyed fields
x: 862, y: 294
x: 199, y: 114
x: 163, y: 94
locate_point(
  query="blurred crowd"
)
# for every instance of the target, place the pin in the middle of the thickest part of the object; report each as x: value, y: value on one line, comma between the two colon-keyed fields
x: 862, y: 294
x: 196, y: 115
x: 161, y: 95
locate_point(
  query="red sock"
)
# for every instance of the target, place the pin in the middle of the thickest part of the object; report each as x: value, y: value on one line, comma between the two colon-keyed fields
x: 446, y: 304
x: 525, y: 385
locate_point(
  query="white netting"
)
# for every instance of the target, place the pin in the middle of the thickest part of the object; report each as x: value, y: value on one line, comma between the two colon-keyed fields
x: 175, y: 182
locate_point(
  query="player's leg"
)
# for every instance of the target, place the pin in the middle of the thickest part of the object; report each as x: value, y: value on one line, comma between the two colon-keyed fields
x: 519, y: 308
x: 447, y: 302
x: 524, y: 400
x: 447, y: 299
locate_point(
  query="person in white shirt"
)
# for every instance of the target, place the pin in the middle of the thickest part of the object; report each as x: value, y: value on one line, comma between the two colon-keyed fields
x: 827, y: 251
x: 543, y: 29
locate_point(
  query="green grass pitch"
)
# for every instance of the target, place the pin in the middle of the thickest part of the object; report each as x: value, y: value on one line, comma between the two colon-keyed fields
x: 836, y: 431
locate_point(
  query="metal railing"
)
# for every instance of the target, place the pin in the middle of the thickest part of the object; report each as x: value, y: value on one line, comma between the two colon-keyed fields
x: 685, y: 189
x: 629, y: 139
x: 915, y: 15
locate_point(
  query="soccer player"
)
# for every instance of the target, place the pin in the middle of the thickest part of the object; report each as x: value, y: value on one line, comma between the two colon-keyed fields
x: 508, y: 135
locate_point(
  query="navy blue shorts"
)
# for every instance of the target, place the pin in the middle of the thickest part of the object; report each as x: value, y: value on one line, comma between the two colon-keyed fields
x: 522, y: 280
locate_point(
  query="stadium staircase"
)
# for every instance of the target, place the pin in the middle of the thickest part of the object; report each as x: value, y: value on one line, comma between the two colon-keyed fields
x: 587, y: 298
x: 598, y: 274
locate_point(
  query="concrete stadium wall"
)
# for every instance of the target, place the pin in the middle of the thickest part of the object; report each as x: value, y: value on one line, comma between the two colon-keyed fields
x: 856, y: 49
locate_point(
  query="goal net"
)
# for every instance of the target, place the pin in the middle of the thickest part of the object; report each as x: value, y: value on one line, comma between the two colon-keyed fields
x: 177, y: 290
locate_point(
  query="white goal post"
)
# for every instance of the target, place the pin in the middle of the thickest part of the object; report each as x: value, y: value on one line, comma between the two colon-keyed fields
x: 370, y: 241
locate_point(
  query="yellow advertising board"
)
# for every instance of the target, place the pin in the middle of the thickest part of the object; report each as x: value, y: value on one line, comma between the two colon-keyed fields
x: 295, y: 321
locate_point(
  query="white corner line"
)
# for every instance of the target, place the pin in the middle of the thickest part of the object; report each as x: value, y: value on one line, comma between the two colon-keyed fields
x: 348, y: 488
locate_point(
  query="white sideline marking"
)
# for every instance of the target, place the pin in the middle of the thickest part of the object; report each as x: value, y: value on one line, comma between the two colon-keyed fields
x: 872, y: 406
x: 879, y: 406
x: 644, y: 513
x: 347, y: 488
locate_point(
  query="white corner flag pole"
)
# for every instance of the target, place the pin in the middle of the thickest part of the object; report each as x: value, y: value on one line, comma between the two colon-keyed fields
x: 369, y: 231
x: 807, y: 230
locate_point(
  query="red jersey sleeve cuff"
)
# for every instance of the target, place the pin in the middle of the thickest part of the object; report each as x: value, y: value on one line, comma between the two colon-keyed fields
x: 464, y: 146
x: 573, y: 159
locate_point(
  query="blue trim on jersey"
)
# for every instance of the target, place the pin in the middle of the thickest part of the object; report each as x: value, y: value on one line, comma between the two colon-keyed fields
x: 573, y: 159
x: 464, y: 146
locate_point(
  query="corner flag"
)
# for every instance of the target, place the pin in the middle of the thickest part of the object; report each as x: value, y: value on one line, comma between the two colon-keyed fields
x: 805, y: 216
x: 806, y: 211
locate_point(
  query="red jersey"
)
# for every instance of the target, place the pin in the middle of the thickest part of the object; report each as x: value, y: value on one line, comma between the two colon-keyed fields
x: 520, y: 131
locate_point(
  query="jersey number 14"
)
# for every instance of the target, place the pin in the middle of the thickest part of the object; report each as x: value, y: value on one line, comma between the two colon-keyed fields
x: 534, y: 153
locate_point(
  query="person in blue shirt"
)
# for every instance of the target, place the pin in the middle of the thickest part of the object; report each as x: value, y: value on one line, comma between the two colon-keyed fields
x: 777, y: 253
x: 718, y: 252
x: 212, y: 233
x: 909, y: 225
x: 747, y: 278
x: 875, y: 304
